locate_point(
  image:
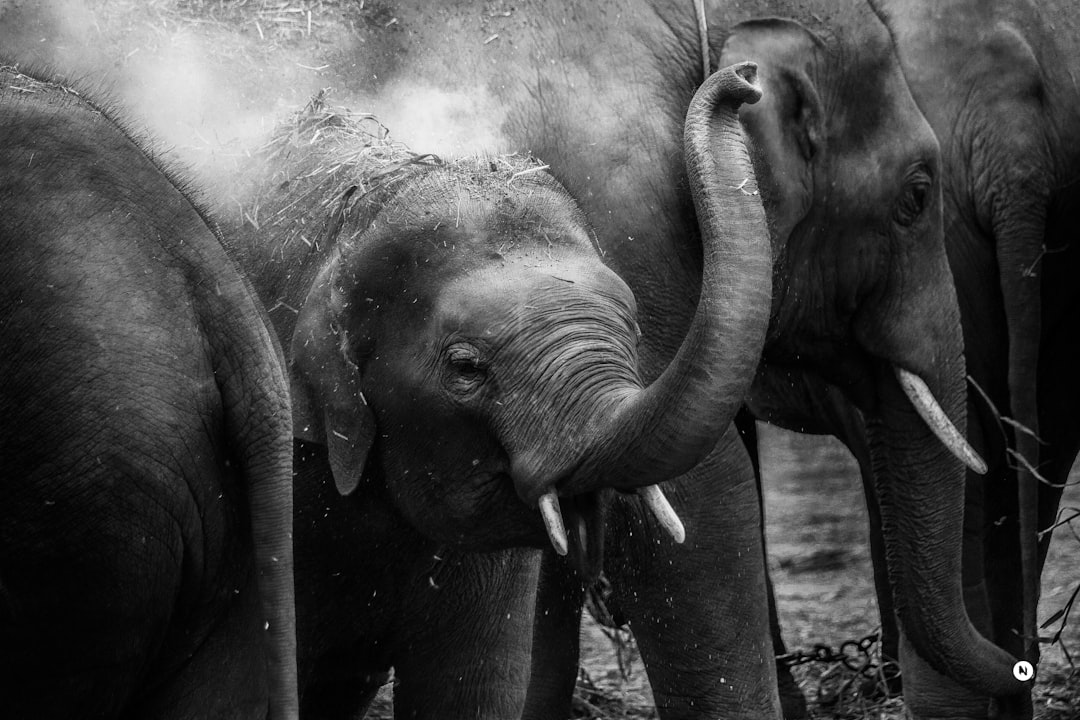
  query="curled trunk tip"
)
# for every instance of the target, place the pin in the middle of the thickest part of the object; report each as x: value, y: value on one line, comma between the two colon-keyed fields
x: 735, y: 84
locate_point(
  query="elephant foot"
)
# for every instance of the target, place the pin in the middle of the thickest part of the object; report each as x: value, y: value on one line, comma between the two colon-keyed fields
x: 792, y: 700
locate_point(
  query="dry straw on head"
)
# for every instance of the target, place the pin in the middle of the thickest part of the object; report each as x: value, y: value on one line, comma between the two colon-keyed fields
x: 322, y: 152
x: 325, y: 159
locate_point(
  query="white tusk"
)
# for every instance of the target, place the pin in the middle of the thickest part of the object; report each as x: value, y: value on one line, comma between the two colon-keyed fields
x: 665, y: 514
x: 936, y: 419
x: 549, y: 510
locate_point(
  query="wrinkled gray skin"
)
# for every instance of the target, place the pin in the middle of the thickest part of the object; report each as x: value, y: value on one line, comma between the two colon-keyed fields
x: 145, y: 505
x: 1009, y: 123
x: 459, y: 349
x: 598, y: 90
x: 998, y: 84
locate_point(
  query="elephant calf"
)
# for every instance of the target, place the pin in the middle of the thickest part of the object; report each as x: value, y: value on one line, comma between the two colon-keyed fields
x: 465, y: 382
x: 145, y: 506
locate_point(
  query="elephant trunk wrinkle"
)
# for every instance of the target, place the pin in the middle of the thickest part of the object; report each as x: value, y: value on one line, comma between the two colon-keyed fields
x: 584, y: 378
x: 666, y: 429
x: 921, y: 493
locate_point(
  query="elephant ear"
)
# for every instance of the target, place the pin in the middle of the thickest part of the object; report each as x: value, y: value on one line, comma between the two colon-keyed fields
x: 787, y: 125
x: 328, y: 406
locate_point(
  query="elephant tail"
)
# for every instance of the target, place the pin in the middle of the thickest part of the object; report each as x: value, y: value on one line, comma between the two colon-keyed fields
x: 250, y: 368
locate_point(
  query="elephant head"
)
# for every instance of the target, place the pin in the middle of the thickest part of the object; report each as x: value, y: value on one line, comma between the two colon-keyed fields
x: 465, y: 348
x: 1005, y: 111
x: 865, y: 300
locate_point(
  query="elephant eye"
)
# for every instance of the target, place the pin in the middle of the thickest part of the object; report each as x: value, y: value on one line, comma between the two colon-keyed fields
x: 466, y: 370
x: 914, y: 198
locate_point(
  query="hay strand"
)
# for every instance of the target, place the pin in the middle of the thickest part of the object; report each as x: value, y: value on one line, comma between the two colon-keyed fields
x: 323, y: 161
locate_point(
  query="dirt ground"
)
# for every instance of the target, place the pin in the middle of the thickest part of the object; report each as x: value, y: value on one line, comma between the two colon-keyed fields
x: 819, y: 560
x: 210, y: 78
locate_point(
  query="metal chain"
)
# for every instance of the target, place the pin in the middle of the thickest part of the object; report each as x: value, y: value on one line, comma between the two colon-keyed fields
x: 852, y: 654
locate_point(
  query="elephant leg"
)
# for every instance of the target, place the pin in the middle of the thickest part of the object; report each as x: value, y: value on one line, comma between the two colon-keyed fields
x: 890, y: 633
x: 792, y: 700
x: 464, y: 642
x: 556, y: 642
x: 345, y: 599
x: 1060, y: 436
x: 1003, y: 585
x: 1003, y: 575
x: 699, y: 611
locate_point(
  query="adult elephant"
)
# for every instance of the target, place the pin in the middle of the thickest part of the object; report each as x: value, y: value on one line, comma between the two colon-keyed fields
x: 465, y: 376
x: 146, y: 506
x: 862, y: 286
x: 1007, y: 113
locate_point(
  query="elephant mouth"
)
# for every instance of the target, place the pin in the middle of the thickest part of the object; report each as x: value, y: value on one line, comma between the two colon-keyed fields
x: 857, y: 374
x: 575, y: 526
x: 584, y: 518
x: 851, y: 369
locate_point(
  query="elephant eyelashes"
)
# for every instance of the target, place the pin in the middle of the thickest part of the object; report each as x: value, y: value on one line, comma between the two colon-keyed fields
x: 467, y: 371
x: 913, y: 201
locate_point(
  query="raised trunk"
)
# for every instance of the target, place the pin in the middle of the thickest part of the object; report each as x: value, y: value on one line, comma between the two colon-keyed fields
x: 667, y: 428
x: 921, y: 493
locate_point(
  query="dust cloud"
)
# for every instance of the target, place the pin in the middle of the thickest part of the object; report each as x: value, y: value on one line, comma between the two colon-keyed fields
x: 209, y: 80
x: 452, y: 123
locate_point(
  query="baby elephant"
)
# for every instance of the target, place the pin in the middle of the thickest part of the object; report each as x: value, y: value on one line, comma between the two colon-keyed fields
x: 465, y: 381
x: 145, y: 438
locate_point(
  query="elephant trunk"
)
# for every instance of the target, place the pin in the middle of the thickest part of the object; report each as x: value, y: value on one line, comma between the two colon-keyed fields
x: 1018, y: 254
x: 665, y: 429
x: 921, y: 492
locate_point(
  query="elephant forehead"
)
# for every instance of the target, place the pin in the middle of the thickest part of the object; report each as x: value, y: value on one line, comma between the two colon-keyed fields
x: 875, y: 163
x: 877, y: 105
x: 501, y: 298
